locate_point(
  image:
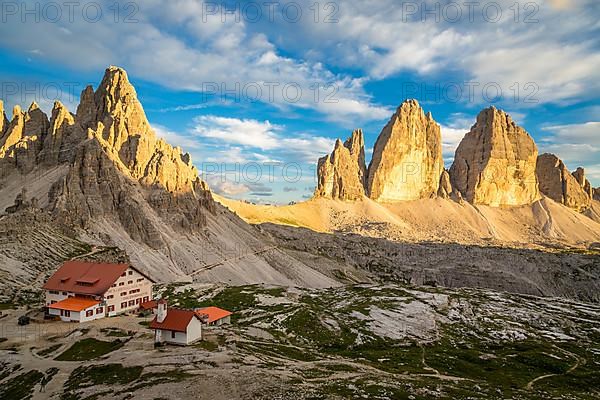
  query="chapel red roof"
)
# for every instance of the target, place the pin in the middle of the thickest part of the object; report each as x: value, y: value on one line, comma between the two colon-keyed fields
x: 176, y: 320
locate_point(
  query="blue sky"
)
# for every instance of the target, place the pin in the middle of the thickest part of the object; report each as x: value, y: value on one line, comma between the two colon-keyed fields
x: 257, y: 96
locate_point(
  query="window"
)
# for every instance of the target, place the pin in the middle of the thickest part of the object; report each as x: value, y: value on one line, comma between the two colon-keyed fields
x: 99, y: 310
x: 110, y: 308
x: 129, y: 282
x: 172, y: 334
x: 89, y: 313
x: 65, y: 293
x: 123, y: 274
x: 53, y: 301
x: 124, y: 304
x: 138, y: 300
x: 121, y: 283
x: 140, y: 279
x: 67, y: 313
x: 54, y: 292
x: 114, y: 285
x: 130, y: 272
x: 131, y: 303
x: 145, y: 299
x: 110, y: 296
x: 123, y: 293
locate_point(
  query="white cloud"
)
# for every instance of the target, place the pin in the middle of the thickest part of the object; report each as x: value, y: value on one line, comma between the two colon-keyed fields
x: 178, y: 45
x: 451, y: 138
x: 250, y: 134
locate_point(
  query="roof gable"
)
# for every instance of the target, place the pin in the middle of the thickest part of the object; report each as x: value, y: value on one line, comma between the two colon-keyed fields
x: 176, y: 320
x: 85, y: 277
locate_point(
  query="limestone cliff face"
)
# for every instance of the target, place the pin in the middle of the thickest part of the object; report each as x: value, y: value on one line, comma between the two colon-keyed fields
x: 557, y: 183
x: 495, y: 163
x: 596, y: 193
x: 407, y: 158
x: 341, y: 175
x: 59, y: 143
x: 23, y: 139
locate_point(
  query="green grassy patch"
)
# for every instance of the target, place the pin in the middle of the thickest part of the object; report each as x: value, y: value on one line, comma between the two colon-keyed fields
x: 88, y: 349
x: 207, y: 345
x: 48, y: 350
x: 115, y: 332
x: 95, y: 375
x: 8, y: 306
x: 22, y: 386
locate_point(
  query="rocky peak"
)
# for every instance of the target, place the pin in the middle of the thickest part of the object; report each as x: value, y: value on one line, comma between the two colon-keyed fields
x: 407, y: 159
x: 341, y: 175
x: 3, y: 120
x: 495, y: 162
x: 557, y: 183
x: 59, y: 144
x: 579, y: 175
x: 115, y: 117
x: 22, y: 140
x: 36, y: 122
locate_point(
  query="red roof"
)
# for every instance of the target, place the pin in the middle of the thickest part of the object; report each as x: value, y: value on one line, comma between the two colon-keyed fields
x: 149, y: 305
x: 214, y: 313
x: 176, y: 320
x: 85, y: 277
x: 74, y: 304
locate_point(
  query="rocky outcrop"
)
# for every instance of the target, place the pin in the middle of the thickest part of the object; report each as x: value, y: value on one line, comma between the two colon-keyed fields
x: 341, y: 175
x: 445, y: 189
x: 596, y: 194
x: 579, y: 175
x: 3, y: 120
x: 23, y: 139
x: 407, y: 158
x: 495, y: 163
x: 557, y: 183
x: 59, y: 145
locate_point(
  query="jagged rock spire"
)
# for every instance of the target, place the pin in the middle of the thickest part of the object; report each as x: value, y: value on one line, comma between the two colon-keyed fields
x: 407, y: 159
x: 341, y: 175
x: 3, y: 120
x: 495, y: 162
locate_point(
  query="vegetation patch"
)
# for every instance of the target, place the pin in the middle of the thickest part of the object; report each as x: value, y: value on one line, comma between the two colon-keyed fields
x: 88, y: 349
x: 48, y: 350
x: 22, y: 386
x: 116, y: 332
x: 95, y: 375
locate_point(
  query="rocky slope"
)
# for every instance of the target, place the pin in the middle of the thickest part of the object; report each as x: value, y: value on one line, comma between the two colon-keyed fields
x: 556, y: 182
x: 407, y: 158
x: 495, y: 163
x: 104, y: 173
x: 341, y: 175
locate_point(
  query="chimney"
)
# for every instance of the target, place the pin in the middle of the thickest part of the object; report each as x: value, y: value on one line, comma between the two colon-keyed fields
x: 161, y: 312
